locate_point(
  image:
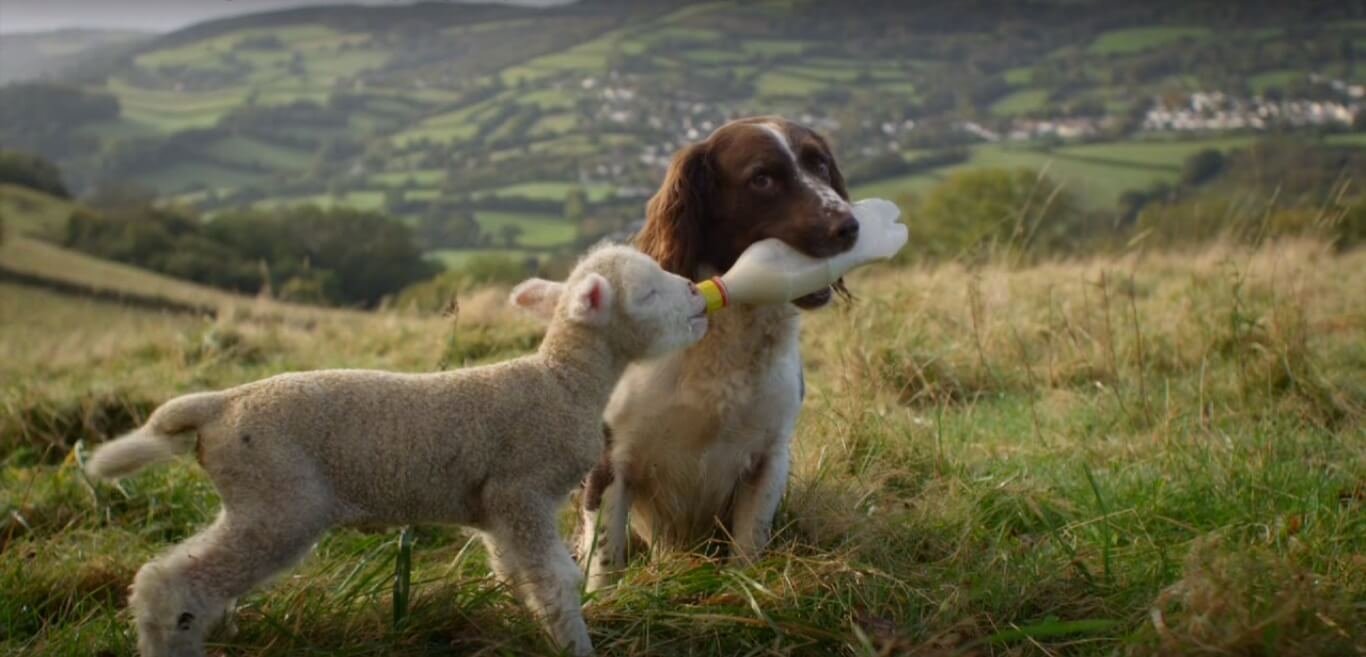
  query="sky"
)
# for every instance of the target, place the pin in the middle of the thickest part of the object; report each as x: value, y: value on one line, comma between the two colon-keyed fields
x: 152, y: 15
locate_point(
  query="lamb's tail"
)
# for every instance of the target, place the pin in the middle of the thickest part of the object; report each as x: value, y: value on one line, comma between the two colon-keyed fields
x: 154, y: 441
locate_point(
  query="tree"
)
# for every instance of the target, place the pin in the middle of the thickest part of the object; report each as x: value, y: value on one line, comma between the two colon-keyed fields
x: 991, y: 212
x: 1202, y: 167
x: 33, y: 172
x: 575, y: 205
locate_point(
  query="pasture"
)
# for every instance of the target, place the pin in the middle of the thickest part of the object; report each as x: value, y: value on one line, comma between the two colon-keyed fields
x: 1097, y: 173
x: 1128, y: 41
x: 1152, y: 454
x: 533, y: 230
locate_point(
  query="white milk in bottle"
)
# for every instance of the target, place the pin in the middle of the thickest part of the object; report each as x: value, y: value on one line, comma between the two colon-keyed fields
x: 770, y: 271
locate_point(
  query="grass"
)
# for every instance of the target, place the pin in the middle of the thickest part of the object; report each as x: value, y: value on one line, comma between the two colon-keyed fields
x: 1282, y: 79
x: 420, y: 178
x: 1128, y: 41
x: 1353, y: 139
x: 248, y: 151
x: 1019, y: 76
x: 1165, y: 154
x: 1097, y: 173
x: 552, y: 191
x: 783, y: 84
x: 773, y: 47
x: 359, y: 199
x: 457, y: 258
x: 1155, y: 454
x: 537, y: 230
x: 34, y: 213
x: 552, y: 124
x: 103, y: 277
x: 197, y: 173
x: 1020, y: 102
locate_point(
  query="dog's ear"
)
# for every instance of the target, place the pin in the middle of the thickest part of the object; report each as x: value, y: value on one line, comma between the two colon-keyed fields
x: 836, y: 183
x: 673, y: 218
x: 836, y: 177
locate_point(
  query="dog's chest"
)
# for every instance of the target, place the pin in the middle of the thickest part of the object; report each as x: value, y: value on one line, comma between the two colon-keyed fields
x: 733, y: 394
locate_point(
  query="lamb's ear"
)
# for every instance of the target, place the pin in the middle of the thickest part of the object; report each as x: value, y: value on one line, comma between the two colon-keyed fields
x: 537, y: 296
x: 590, y: 301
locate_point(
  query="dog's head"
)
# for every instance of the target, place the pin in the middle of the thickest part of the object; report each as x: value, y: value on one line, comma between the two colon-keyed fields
x: 751, y: 180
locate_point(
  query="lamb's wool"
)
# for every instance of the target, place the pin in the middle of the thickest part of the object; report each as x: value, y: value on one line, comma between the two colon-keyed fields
x: 496, y: 448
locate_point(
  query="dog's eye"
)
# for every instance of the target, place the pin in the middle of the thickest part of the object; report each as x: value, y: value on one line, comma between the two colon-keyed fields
x: 761, y: 181
x: 823, y: 169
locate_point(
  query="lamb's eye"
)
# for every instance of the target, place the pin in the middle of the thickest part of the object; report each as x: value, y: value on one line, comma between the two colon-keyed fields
x: 649, y: 297
x: 761, y: 182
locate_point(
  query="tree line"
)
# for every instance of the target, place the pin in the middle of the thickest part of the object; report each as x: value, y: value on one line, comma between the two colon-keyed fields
x: 304, y: 254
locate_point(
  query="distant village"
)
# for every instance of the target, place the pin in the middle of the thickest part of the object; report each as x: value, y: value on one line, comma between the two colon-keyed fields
x: 677, y: 122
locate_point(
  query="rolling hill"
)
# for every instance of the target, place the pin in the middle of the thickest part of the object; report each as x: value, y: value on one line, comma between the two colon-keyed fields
x: 29, y: 257
x: 33, y: 55
x: 500, y: 113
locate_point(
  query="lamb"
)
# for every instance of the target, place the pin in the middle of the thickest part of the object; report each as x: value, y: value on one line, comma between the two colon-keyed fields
x: 496, y: 448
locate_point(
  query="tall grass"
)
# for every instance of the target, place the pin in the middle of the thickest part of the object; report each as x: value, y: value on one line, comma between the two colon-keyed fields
x: 1141, y: 455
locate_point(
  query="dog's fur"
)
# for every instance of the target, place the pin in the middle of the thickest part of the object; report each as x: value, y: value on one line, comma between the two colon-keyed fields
x: 700, y: 439
x: 496, y: 448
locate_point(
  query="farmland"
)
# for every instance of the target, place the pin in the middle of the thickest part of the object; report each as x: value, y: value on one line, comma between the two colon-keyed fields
x: 1098, y: 172
x: 492, y: 113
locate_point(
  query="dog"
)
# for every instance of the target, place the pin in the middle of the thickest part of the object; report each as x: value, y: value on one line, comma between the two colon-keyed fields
x: 699, y: 441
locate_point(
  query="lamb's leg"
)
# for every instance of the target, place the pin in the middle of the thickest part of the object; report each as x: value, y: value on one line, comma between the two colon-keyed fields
x: 756, y: 502
x: 605, y: 533
x: 178, y: 597
x: 529, y: 556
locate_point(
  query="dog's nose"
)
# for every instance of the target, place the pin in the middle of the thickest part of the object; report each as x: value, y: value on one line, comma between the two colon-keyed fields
x: 847, y: 230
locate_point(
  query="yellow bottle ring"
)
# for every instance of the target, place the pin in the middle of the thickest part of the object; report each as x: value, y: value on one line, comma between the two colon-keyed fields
x: 714, y: 291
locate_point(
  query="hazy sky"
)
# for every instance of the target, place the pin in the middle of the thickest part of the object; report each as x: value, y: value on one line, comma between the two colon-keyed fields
x: 152, y: 15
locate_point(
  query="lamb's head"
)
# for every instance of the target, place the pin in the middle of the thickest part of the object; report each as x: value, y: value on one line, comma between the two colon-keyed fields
x: 643, y: 310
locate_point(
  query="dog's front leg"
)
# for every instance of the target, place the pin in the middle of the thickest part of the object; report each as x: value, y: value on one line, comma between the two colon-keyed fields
x: 756, y: 502
x: 602, y: 544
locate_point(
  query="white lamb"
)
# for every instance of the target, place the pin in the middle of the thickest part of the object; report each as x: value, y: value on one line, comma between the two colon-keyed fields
x: 497, y: 448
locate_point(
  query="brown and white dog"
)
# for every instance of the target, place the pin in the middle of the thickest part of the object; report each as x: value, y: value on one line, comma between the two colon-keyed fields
x: 699, y: 441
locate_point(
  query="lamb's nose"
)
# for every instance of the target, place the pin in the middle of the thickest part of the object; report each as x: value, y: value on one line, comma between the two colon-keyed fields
x: 847, y: 230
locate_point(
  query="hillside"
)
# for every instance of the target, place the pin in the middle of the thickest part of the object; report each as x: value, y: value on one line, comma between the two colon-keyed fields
x: 27, y: 257
x: 1151, y: 455
x: 33, y: 55
x: 492, y: 116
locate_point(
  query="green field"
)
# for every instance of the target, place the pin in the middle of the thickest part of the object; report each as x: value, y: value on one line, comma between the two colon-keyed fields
x: 1149, y: 456
x: 551, y: 191
x: 1096, y: 173
x: 537, y: 230
x: 783, y: 84
x: 1166, y: 154
x: 1261, y: 82
x: 1021, y: 102
x: 28, y: 212
x: 1020, y: 75
x: 456, y: 258
x: 360, y: 200
x: 419, y: 178
x: 1122, y: 42
x: 183, y: 176
x: 249, y: 151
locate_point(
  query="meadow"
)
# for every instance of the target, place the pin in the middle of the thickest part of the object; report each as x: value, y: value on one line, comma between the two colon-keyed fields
x: 1098, y: 173
x: 1154, y: 453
